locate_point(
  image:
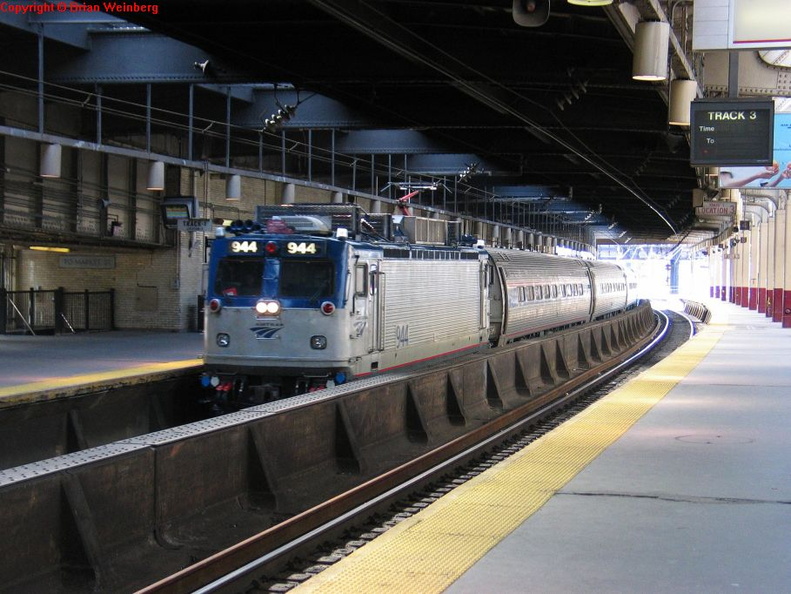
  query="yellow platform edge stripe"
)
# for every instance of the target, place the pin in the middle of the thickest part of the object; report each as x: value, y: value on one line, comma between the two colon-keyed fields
x: 57, y: 385
x: 429, y: 551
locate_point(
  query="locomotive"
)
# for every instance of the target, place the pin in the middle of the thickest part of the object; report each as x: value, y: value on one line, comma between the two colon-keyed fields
x: 310, y: 296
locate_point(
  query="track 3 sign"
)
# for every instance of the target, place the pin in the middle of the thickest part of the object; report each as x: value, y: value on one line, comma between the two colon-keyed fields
x: 731, y: 132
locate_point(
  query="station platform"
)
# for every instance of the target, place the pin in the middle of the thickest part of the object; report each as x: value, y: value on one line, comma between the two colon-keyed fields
x: 679, y: 481
x: 34, y: 367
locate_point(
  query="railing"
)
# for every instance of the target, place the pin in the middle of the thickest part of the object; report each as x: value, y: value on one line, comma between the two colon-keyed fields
x: 56, y: 311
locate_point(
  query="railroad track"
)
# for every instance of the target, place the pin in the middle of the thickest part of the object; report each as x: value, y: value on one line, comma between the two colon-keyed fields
x: 276, y: 556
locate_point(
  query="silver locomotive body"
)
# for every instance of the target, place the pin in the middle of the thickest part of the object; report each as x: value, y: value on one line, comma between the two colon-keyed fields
x: 288, y: 312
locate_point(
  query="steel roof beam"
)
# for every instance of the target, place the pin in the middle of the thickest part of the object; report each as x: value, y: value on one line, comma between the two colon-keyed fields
x: 139, y: 56
x: 70, y: 29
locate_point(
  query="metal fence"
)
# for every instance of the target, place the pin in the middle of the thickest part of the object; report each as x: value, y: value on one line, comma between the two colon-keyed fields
x: 56, y: 311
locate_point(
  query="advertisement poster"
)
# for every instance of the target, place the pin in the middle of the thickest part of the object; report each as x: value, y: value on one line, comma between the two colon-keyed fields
x: 776, y: 175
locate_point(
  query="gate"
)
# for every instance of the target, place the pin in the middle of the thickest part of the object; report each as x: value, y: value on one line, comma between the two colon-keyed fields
x: 56, y: 311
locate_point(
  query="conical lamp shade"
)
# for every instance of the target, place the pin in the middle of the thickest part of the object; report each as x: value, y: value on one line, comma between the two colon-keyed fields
x: 156, y: 176
x: 50, y: 160
x: 233, y: 188
x: 651, y: 42
x: 682, y: 93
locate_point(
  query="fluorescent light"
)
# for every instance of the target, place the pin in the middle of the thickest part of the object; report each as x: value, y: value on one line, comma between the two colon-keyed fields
x: 47, y: 248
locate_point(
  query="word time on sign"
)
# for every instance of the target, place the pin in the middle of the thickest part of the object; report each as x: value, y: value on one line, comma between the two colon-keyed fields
x: 731, y: 132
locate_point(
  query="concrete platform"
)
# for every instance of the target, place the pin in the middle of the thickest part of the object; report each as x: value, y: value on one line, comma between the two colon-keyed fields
x: 679, y: 481
x: 33, y: 364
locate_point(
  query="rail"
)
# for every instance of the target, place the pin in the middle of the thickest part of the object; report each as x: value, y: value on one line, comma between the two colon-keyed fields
x: 87, y: 518
x: 56, y: 311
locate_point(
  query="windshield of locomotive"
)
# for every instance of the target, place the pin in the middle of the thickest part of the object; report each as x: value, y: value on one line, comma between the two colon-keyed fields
x: 239, y: 277
x: 307, y: 279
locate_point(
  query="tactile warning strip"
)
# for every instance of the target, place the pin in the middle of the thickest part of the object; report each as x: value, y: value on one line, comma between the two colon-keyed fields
x: 429, y: 551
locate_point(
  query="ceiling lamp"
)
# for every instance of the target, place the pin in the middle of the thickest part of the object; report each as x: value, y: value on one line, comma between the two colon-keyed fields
x: 233, y: 187
x: 274, y: 122
x: 156, y: 176
x: 651, y: 42
x: 590, y: 2
x: 682, y: 93
x: 50, y: 160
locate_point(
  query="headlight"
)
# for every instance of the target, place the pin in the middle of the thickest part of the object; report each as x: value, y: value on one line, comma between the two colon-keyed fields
x: 223, y: 339
x: 318, y: 342
x: 266, y: 307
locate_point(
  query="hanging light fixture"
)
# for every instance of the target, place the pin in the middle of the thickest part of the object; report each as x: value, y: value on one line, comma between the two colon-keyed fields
x: 233, y: 187
x: 50, y: 160
x: 682, y: 93
x: 590, y: 2
x: 651, y: 42
x: 156, y: 176
x: 274, y: 122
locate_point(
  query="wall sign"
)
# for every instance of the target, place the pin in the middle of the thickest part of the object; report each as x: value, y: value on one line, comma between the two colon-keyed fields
x: 85, y: 261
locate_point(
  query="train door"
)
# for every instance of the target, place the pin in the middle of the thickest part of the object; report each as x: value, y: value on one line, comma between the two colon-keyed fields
x: 493, y: 290
x: 593, y: 290
x: 377, y: 313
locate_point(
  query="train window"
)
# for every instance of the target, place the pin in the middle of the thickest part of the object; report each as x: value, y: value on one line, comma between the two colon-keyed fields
x: 521, y: 294
x: 554, y: 291
x: 530, y: 294
x: 361, y: 280
x: 238, y: 277
x: 547, y: 292
x: 569, y: 291
x: 310, y: 279
x: 538, y: 292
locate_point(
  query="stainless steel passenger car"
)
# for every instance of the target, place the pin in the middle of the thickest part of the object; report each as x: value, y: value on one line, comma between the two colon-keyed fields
x: 539, y: 292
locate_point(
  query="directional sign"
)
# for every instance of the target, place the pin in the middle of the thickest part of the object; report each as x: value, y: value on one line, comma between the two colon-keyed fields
x: 731, y: 132
x: 714, y: 208
x: 204, y: 225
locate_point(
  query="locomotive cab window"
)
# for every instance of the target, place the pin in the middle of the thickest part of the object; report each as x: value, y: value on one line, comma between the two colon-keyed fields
x: 238, y: 277
x: 309, y: 279
x: 361, y: 280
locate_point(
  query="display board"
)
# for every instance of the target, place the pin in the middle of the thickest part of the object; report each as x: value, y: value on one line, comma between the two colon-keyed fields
x: 731, y: 132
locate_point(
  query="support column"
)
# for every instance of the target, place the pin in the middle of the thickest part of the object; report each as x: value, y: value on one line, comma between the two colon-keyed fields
x: 779, y: 262
x: 784, y: 305
x: 733, y: 270
x: 763, y: 265
x: 770, y: 267
x: 753, y: 241
x: 714, y: 274
x: 723, y: 266
x: 738, y: 280
x: 744, y: 263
